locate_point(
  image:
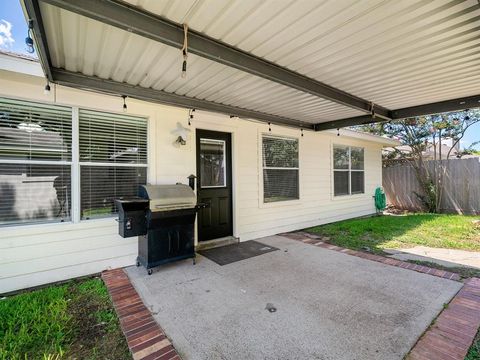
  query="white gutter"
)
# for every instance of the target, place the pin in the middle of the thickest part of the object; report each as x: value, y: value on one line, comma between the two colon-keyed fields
x: 19, y: 64
x: 367, y: 137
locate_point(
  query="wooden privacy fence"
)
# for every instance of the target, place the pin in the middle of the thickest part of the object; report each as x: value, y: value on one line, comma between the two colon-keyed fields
x: 461, y: 191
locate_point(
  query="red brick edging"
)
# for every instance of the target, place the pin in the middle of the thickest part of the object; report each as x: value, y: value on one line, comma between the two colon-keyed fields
x: 146, y: 339
x: 315, y: 240
x: 453, y: 332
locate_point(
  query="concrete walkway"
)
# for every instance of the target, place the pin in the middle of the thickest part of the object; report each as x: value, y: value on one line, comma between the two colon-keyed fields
x: 445, y: 257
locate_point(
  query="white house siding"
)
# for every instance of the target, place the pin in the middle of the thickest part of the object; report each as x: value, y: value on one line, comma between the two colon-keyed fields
x: 37, y: 254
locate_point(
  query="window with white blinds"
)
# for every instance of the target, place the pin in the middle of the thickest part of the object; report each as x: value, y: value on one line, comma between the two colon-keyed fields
x: 113, y: 160
x: 35, y: 162
x: 348, y: 170
x: 280, y: 169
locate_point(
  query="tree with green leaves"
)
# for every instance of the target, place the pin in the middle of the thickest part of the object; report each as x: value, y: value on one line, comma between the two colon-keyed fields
x: 427, y: 133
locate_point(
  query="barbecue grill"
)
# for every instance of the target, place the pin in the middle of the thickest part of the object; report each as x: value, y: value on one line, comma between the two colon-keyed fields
x: 163, y: 218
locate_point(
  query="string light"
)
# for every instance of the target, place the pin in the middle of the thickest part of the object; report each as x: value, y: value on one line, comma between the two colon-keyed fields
x: 338, y: 131
x: 185, y: 50
x: 301, y: 131
x: 270, y: 127
x: 124, y: 103
x: 46, y: 90
x: 190, y: 116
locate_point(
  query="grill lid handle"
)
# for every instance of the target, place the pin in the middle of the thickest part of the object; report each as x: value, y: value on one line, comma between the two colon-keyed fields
x: 191, y: 181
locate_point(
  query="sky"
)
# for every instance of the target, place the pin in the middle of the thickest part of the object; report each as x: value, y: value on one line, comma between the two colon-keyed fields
x: 13, y: 27
x: 13, y: 30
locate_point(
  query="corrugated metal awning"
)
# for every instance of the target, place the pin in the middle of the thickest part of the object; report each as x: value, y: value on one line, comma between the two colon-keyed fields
x: 378, y: 56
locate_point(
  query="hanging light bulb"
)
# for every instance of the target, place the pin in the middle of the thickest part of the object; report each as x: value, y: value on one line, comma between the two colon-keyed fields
x: 46, y: 90
x: 184, y: 65
x: 185, y: 51
x: 338, y: 131
x: 28, y: 40
x: 124, y: 103
x: 301, y: 132
x: 270, y: 127
x: 190, y: 116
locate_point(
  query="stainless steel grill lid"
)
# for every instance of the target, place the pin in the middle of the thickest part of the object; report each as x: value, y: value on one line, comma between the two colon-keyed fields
x: 168, y: 197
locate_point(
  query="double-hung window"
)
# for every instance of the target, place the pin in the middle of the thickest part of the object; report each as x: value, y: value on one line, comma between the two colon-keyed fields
x: 348, y: 170
x: 35, y: 162
x: 40, y: 160
x: 280, y: 168
x: 113, y: 160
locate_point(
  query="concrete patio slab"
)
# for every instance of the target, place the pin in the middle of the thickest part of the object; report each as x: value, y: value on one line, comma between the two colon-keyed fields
x: 329, y: 305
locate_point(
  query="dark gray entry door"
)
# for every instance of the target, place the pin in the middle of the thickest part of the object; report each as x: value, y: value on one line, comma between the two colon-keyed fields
x: 214, y: 180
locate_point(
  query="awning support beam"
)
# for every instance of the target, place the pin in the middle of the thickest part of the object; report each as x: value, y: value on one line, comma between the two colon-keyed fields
x: 40, y: 39
x: 140, y: 22
x: 80, y: 81
x: 414, y: 111
x: 438, y: 107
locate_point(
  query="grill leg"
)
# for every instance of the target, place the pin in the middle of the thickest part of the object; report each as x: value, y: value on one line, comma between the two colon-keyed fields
x: 194, y: 259
x: 149, y: 271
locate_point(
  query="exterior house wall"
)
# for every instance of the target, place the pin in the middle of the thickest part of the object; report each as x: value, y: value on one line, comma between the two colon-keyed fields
x: 31, y: 255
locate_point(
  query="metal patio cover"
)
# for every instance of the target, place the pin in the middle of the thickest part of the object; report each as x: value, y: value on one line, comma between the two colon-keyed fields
x: 314, y: 64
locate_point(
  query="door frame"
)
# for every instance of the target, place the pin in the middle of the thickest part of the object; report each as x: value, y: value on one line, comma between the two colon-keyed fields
x: 204, y: 132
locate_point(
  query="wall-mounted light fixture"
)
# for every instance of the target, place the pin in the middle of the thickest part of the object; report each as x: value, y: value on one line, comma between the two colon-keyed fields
x: 181, y: 134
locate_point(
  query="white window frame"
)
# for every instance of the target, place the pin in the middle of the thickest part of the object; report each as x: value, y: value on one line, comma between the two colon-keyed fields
x: 262, y: 202
x: 349, y: 170
x: 76, y: 196
x: 44, y: 162
x: 74, y: 163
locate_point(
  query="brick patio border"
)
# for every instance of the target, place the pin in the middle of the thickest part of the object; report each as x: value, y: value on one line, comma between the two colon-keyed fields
x: 315, y: 240
x: 453, y: 331
x: 145, y: 338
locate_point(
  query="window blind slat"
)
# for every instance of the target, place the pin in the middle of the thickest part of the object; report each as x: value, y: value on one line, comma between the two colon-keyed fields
x: 34, y: 193
x: 100, y: 185
x: 280, y: 169
x: 114, y: 138
x: 34, y: 131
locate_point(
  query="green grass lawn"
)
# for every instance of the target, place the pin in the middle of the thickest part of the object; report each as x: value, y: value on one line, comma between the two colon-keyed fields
x: 381, y: 232
x: 474, y: 351
x: 70, y: 321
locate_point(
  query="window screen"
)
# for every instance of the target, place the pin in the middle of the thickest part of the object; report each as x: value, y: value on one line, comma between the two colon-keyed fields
x: 35, y: 167
x: 348, y: 170
x: 113, y: 160
x: 280, y: 169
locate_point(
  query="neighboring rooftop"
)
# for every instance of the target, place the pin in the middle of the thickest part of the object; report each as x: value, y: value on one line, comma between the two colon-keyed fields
x: 18, y: 55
